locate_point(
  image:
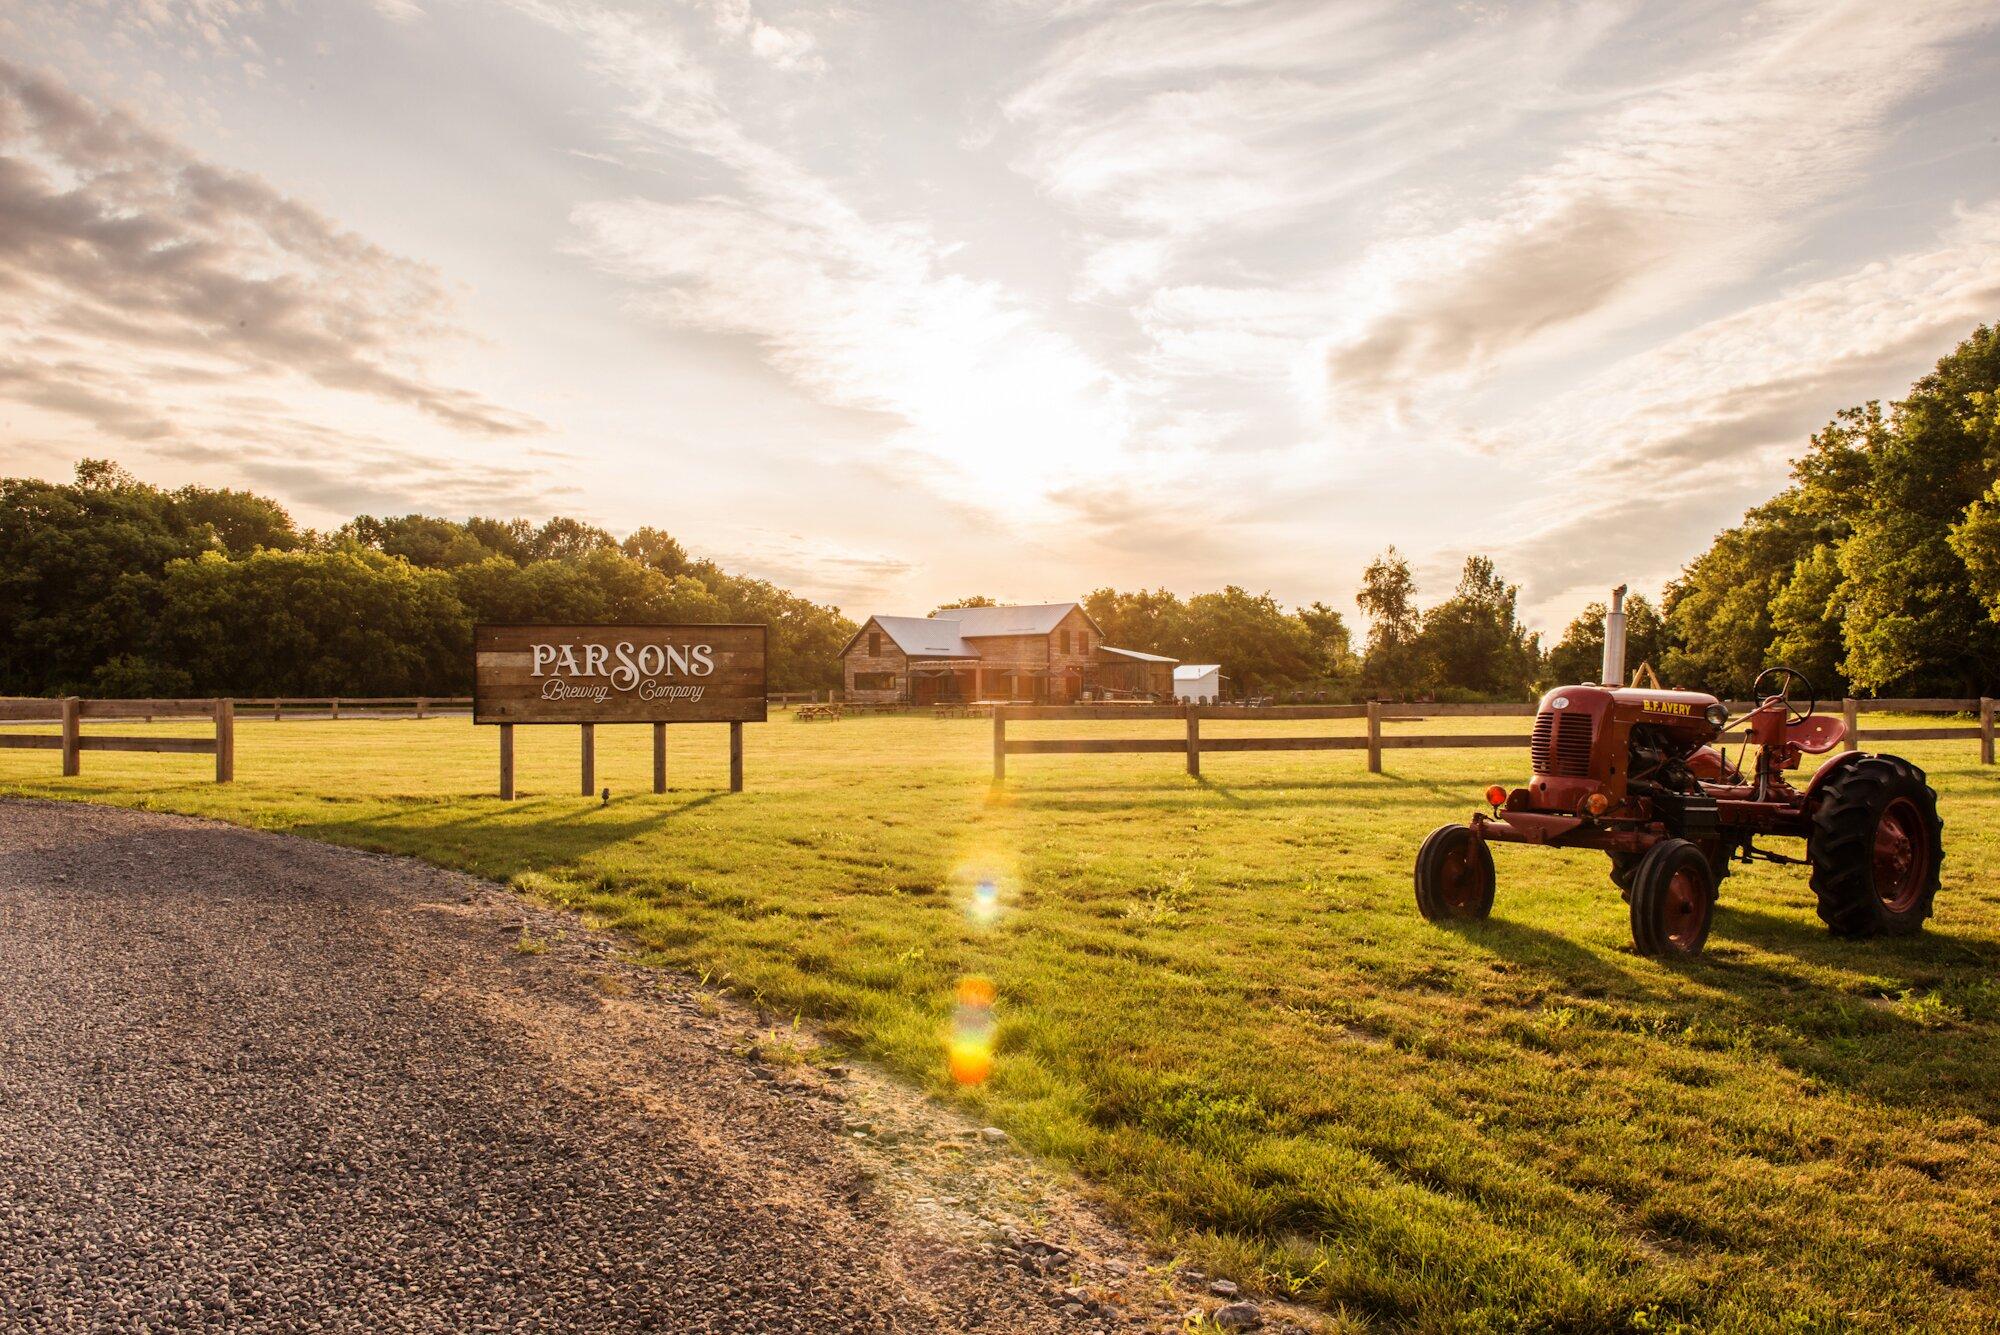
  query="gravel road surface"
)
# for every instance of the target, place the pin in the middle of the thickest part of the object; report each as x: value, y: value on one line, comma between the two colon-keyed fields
x: 249, y: 1082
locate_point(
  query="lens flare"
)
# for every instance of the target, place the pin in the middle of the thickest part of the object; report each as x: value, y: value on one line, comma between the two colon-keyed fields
x: 985, y: 909
x: 969, y: 1050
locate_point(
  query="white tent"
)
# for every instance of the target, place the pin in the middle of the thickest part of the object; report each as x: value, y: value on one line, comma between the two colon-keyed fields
x: 1198, y: 681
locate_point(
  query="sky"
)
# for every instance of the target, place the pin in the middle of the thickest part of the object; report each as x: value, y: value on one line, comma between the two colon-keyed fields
x: 900, y: 303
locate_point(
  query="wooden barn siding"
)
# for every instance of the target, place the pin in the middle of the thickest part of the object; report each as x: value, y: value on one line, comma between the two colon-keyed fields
x: 891, y: 659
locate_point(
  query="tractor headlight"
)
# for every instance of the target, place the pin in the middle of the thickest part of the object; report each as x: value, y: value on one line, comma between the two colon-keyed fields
x: 1717, y: 715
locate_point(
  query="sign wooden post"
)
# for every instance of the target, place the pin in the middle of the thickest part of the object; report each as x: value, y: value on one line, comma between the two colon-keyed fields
x: 225, y: 741
x: 585, y: 675
x: 72, y: 737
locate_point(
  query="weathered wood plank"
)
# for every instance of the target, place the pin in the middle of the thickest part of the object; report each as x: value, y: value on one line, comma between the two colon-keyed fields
x: 129, y: 709
x: 619, y: 674
x: 1919, y: 734
x: 1283, y: 743
x: 30, y: 710
x: 1451, y: 741
x: 30, y: 741
x: 1084, y: 746
x: 189, y: 746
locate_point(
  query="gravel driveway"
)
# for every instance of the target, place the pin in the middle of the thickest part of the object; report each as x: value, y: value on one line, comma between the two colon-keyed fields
x: 248, y: 1081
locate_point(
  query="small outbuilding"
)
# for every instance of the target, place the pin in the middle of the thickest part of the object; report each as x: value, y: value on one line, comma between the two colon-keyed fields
x: 1199, y: 682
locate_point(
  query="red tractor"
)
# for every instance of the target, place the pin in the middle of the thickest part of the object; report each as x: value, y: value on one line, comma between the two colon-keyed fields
x: 1639, y: 774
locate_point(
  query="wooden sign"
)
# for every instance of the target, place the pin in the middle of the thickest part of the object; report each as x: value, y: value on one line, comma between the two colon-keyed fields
x: 618, y: 674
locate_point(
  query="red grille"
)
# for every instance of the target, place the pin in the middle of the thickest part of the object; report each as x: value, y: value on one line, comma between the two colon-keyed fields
x: 1560, y: 745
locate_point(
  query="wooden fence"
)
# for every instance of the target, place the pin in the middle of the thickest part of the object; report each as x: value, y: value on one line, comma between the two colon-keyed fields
x: 1374, y: 741
x: 72, y: 713
x: 359, y: 706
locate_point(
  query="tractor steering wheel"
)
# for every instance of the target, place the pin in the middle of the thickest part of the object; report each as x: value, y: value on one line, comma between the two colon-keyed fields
x: 1786, y: 677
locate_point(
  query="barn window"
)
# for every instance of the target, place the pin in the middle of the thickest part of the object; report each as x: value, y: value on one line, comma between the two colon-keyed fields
x: 874, y: 681
x: 874, y: 645
x: 1065, y: 641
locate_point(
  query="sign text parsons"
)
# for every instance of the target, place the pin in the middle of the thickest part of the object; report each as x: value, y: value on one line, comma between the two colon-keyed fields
x: 618, y: 674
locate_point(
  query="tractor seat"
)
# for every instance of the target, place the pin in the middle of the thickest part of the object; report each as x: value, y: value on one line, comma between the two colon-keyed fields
x: 1816, y: 735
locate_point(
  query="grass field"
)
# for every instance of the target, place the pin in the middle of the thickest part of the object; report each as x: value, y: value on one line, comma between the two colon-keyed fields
x: 1216, y: 1000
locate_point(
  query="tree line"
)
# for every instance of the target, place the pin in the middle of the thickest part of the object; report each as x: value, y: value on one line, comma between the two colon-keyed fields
x: 1877, y: 572
x: 112, y: 587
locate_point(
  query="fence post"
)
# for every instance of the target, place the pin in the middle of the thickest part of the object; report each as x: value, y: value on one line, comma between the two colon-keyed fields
x: 335, y: 702
x: 72, y: 737
x: 506, y: 762
x: 999, y: 745
x: 423, y: 706
x: 225, y: 741
x: 1374, y: 736
x: 736, y: 757
x: 1986, y: 730
x: 277, y: 711
x: 589, y: 758
x: 1194, y: 741
x: 659, y: 757
x: 1850, y: 713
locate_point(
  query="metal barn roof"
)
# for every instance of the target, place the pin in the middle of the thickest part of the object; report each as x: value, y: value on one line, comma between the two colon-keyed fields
x: 1136, y: 655
x: 1191, y: 670
x: 921, y: 637
x: 1027, y: 619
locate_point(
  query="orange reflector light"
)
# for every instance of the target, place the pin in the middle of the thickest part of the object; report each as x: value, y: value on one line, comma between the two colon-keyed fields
x: 1596, y: 804
x: 1496, y: 796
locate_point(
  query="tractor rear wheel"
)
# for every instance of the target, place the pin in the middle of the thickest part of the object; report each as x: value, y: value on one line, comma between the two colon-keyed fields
x: 1454, y: 875
x: 1673, y: 899
x: 1875, y: 848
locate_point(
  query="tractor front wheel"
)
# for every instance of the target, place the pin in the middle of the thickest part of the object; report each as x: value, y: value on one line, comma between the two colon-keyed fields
x: 1673, y: 899
x: 1454, y: 875
x: 1875, y: 848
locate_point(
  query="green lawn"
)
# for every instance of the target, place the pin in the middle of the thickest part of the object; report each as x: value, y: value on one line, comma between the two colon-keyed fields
x: 1216, y: 1000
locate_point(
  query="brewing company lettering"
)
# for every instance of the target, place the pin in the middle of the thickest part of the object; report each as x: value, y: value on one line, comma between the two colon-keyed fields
x: 642, y: 670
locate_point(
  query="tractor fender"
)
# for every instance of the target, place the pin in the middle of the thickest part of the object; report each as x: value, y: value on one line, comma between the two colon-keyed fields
x: 1826, y: 773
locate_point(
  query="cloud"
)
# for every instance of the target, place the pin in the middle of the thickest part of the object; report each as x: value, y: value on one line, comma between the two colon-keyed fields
x: 1684, y: 435
x: 982, y: 399
x: 1680, y: 190
x: 1168, y: 126
x: 139, y: 259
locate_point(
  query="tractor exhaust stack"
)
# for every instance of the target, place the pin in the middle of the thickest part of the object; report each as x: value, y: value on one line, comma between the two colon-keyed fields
x: 1614, y: 640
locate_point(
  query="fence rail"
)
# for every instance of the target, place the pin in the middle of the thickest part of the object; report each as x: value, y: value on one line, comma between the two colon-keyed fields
x: 70, y: 713
x: 1377, y: 713
x: 359, y: 706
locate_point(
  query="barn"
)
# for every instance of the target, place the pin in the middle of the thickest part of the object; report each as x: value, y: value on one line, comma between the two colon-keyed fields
x: 1049, y: 653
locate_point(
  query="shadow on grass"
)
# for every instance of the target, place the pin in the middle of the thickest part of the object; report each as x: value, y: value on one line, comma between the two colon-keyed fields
x: 536, y: 834
x: 1858, y: 1041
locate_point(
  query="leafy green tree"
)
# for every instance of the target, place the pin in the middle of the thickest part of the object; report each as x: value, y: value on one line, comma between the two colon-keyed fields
x: 1579, y: 655
x: 1258, y: 643
x: 1333, y: 646
x: 1152, y: 621
x: 1388, y: 597
x: 565, y: 539
x: 238, y: 522
x: 422, y: 540
x: 343, y: 622
x: 1976, y: 539
x: 80, y: 568
x: 976, y: 600
x: 1474, y: 640
x: 1913, y: 621
x: 656, y: 548
x: 1718, y: 610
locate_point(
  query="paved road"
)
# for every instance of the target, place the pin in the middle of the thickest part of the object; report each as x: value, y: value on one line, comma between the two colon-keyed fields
x: 251, y: 1082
